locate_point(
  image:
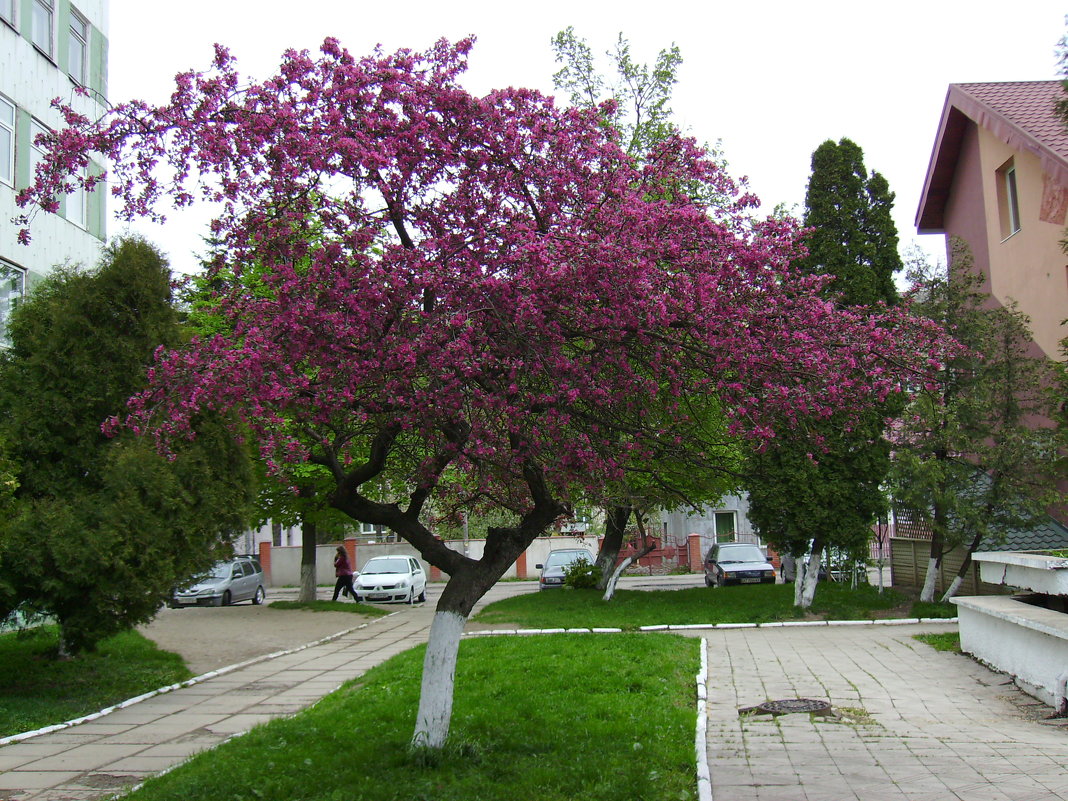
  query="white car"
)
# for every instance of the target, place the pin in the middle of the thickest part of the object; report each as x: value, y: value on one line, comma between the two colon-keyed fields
x: 391, y: 579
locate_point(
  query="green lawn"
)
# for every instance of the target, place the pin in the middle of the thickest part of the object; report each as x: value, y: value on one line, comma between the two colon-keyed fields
x: 763, y: 603
x: 553, y: 718
x: 36, y: 690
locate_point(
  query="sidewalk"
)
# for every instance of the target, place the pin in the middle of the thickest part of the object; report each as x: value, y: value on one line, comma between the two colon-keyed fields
x: 923, y: 725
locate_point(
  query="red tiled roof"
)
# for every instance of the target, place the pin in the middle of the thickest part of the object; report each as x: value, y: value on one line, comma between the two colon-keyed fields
x: 1027, y: 105
x: 1020, y: 113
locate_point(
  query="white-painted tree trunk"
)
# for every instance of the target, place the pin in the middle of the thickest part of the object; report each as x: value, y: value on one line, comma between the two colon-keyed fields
x: 952, y: 588
x: 439, y: 676
x: 812, y: 575
x: 927, y: 593
x: 307, y: 584
x: 610, y: 590
x: 799, y: 581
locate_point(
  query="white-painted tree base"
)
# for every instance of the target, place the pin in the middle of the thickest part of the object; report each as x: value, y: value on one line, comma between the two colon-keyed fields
x: 610, y: 590
x: 439, y: 677
x: 927, y: 593
x: 957, y: 580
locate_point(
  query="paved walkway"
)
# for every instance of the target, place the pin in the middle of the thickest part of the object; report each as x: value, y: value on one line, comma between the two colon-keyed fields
x: 923, y: 725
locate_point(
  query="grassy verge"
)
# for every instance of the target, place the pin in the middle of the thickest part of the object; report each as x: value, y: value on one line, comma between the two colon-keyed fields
x: 36, y: 690
x: 554, y: 718
x: 947, y: 641
x: 630, y: 609
x: 332, y: 606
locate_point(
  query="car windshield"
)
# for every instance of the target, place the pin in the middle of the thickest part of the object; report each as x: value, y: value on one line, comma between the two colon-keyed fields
x: 386, y: 566
x: 562, y: 558
x: 741, y: 553
x: 220, y: 571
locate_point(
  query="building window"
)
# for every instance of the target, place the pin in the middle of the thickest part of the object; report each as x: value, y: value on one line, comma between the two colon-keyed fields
x: 1008, y: 199
x: 44, y: 13
x: 77, y: 203
x: 12, y: 288
x: 726, y: 526
x: 78, y: 53
x: 36, y: 153
x: 7, y: 11
x: 7, y: 142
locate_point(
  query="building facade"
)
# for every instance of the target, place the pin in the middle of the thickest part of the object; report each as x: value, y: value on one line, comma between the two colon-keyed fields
x: 48, y: 49
x: 998, y: 179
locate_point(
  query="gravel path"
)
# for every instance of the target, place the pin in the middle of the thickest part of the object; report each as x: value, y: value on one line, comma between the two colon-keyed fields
x: 210, y: 638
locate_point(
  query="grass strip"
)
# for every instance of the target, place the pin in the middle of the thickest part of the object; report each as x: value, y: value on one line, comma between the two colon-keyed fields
x: 945, y: 641
x: 332, y: 606
x: 37, y: 690
x: 630, y: 609
x: 555, y: 718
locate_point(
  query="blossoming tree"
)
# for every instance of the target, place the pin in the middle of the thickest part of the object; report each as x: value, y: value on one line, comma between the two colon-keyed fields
x: 475, y: 300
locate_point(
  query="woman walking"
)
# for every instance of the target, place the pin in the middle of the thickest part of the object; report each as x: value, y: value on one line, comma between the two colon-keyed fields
x: 343, y: 571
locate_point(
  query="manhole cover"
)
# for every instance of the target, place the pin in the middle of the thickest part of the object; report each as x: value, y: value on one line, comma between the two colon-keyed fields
x: 788, y: 706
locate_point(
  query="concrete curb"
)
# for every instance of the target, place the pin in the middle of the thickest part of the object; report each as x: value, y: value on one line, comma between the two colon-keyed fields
x: 901, y: 621
x: 26, y: 735
x: 704, y: 774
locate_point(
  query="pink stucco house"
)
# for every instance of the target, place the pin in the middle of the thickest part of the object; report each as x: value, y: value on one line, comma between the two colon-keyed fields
x: 998, y: 178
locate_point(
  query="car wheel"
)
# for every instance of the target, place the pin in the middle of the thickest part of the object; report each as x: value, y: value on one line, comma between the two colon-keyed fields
x: 422, y: 596
x: 259, y: 596
x: 227, y: 598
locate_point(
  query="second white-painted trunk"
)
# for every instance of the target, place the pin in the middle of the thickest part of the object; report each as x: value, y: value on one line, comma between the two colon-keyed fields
x: 927, y: 593
x: 799, y: 581
x: 307, y: 584
x: 812, y: 574
x: 439, y: 677
x: 610, y: 590
x: 952, y: 588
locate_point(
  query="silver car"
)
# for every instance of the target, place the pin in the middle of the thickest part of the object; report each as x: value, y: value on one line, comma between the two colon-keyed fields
x: 230, y: 581
x: 737, y: 563
x: 557, y: 563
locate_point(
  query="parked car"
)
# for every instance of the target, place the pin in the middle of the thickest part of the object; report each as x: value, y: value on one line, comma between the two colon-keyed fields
x: 737, y: 563
x: 229, y: 581
x: 556, y: 563
x: 391, y: 579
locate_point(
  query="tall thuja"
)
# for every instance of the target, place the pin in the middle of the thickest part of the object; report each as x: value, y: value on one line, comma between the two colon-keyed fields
x: 100, y: 529
x: 801, y: 500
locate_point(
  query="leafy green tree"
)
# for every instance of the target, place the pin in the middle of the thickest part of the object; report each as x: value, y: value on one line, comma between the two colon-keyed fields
x: 969, y: 459
x: 101, y: 529
x: 804, y: 495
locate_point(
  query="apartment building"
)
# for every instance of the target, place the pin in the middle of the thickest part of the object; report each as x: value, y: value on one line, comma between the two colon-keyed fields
x: 48, y: 48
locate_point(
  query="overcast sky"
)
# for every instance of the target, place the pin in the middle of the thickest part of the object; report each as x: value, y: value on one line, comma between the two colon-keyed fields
x: 768, y: 79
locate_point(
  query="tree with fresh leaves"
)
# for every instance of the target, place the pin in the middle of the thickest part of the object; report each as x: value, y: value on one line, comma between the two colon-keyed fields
x: 500, y: 305
x: 705, y: 463
x: 970, y: 459
x: 101, y: 529
x: 803, y: 501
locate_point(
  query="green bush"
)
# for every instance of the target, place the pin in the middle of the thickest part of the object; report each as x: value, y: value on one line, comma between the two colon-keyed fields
x: 582, y: 575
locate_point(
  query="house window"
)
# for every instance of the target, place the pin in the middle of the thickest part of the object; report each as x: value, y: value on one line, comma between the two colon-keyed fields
x: 44, y: 13
x: 77, y: 204
x: 78, y: 52
x: 36, y: 153
x: 12, y: 288
x: 7, y: 142
x: 7, y: 11
x: 726, y: 526
x: 1008, y: 199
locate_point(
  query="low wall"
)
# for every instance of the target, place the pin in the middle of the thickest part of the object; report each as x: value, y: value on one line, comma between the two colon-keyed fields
x: 282, y: 563
x: 1028, y: 642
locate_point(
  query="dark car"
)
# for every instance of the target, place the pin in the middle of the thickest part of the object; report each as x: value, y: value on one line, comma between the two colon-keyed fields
x: 230, y: 581
x: 556, y: 563
x: 737, y: 563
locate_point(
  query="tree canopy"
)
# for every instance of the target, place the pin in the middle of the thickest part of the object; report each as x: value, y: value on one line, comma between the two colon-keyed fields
x: 478, y: 298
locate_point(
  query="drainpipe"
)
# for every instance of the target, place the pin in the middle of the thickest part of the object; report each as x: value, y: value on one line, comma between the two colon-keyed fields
x: 1062, y: 695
